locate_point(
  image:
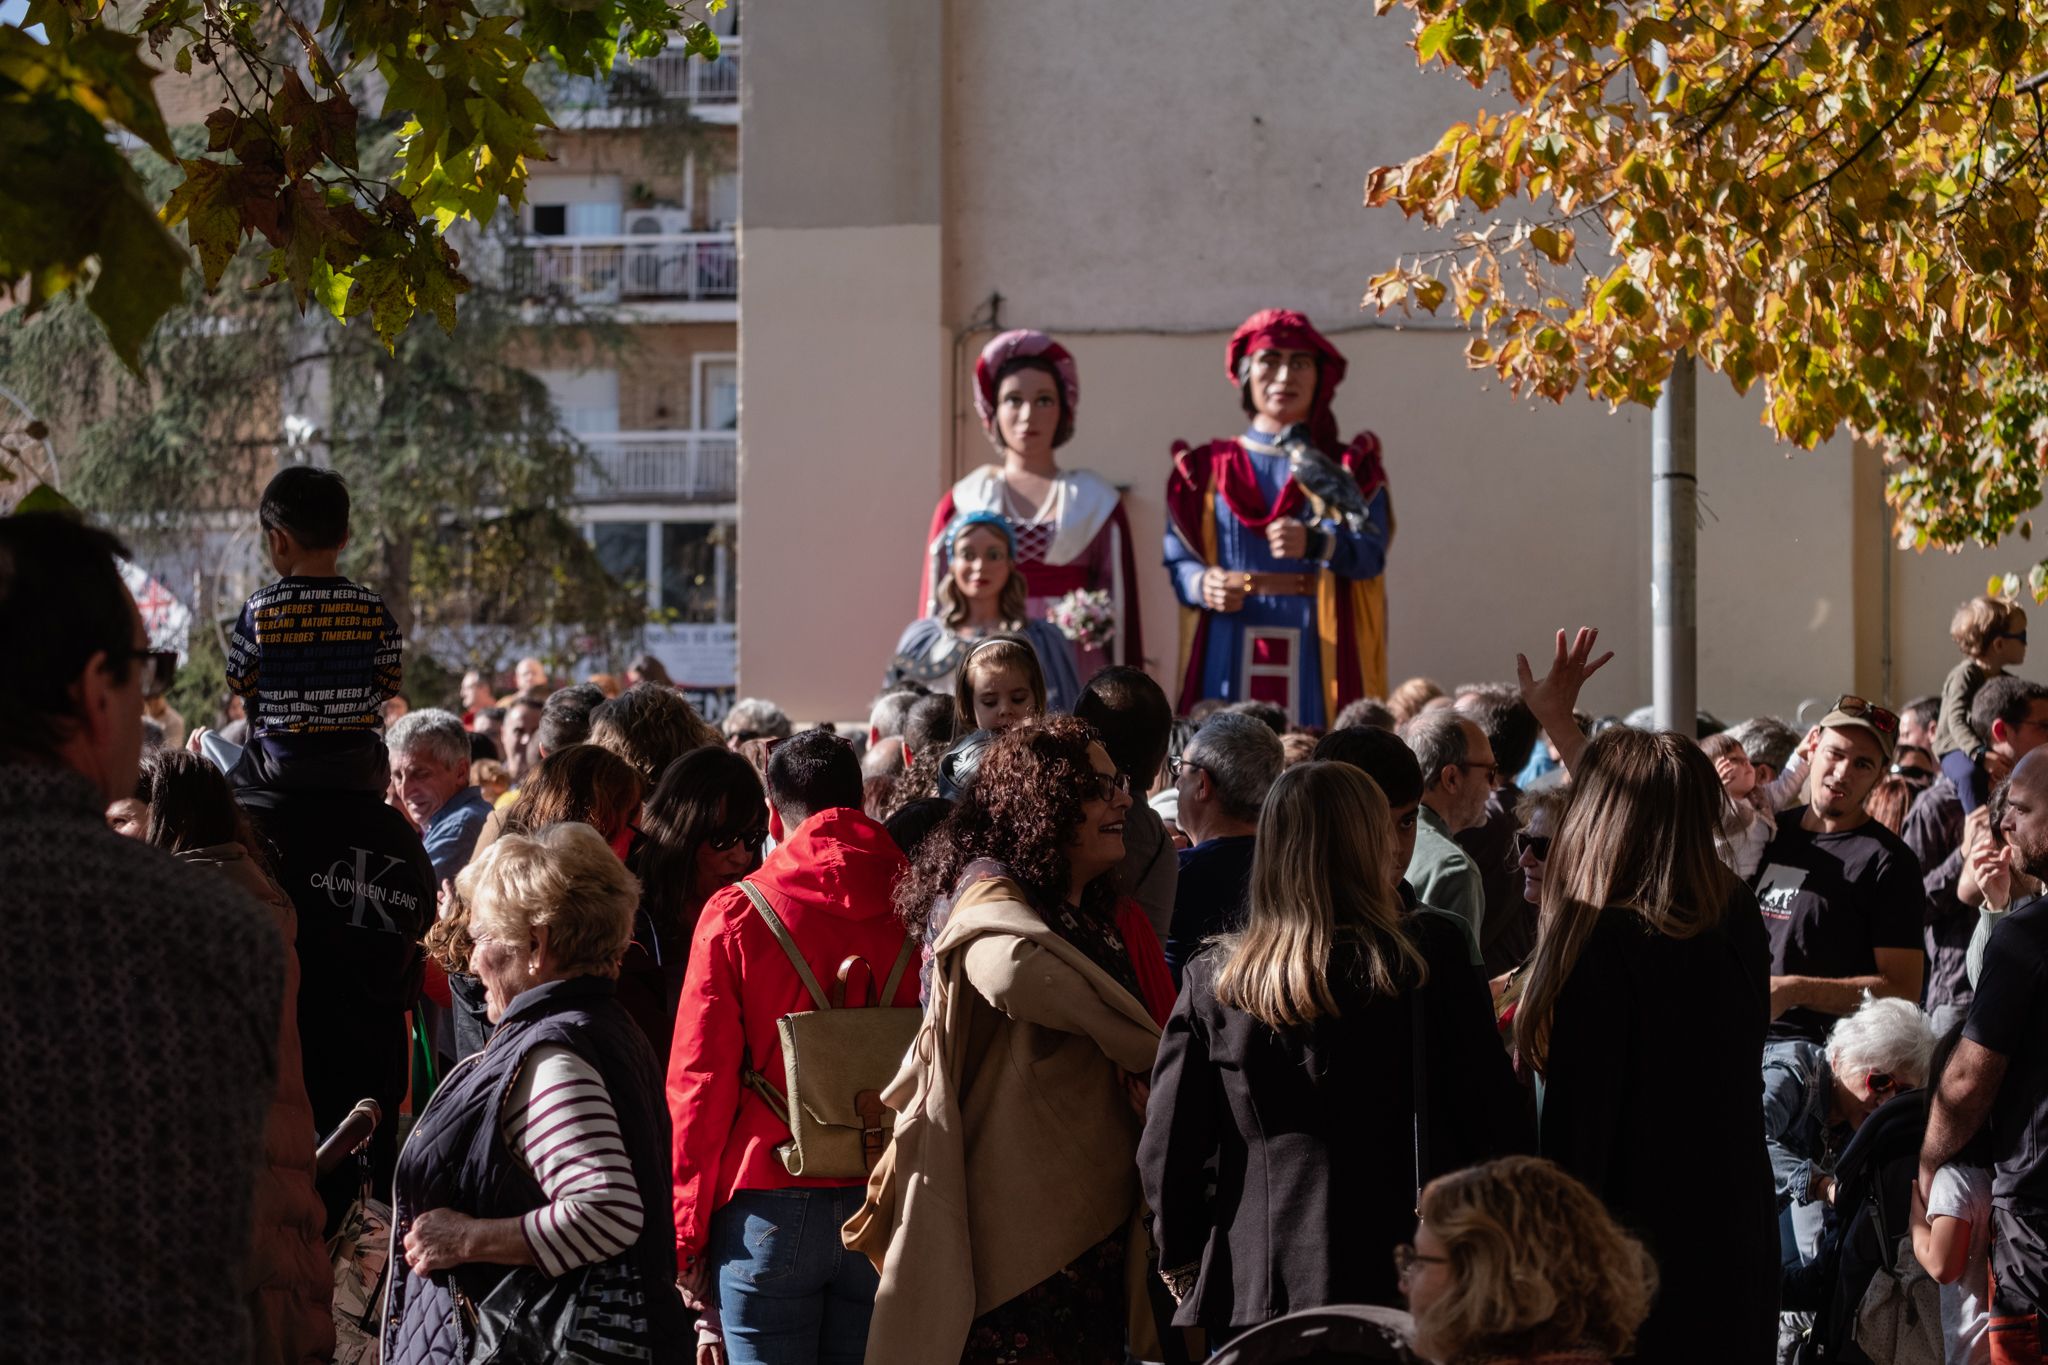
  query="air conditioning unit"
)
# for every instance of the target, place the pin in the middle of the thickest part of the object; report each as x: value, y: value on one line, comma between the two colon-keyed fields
x: 657, y: 222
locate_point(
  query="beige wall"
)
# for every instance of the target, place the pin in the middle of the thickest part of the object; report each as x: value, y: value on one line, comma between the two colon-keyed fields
x: 838, y: 444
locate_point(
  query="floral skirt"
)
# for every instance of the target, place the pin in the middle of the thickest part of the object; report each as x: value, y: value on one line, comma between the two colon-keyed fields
x: 1075, y: 1316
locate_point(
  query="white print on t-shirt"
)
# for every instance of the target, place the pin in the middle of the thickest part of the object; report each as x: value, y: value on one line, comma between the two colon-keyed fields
x: 1776, y: 888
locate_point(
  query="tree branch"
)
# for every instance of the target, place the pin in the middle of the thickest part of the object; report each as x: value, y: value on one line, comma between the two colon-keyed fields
x: 1877, y: 134
x: 1755, y: 74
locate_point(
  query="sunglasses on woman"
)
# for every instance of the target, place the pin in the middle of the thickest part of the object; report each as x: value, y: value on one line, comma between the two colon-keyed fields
x: 752, y: 838
x: 1535, y: 846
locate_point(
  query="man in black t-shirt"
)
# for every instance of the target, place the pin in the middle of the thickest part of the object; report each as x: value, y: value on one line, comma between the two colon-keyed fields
x: 1840, y: 893
x: 2000, y: 1070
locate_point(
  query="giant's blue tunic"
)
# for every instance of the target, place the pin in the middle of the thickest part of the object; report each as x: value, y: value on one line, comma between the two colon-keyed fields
x: 1243, y: 548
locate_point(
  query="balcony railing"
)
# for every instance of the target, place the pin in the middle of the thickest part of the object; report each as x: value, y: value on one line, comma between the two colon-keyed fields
x: 703, y: 466
x: 667, y: 76
x: 694, y: 265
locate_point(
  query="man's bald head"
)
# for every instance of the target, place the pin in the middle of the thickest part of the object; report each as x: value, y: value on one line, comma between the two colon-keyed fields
x: 2026, y: 813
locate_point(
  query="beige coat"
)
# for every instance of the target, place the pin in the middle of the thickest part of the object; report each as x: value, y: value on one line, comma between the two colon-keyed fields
x: 290, y: 1281
x: 1015, y: 1145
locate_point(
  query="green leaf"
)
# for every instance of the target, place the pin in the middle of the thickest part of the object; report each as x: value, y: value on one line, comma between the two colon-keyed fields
x: 209, y: 202
x: 141, y: 277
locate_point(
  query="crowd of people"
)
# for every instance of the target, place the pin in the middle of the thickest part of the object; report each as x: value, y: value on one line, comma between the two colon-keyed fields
x: 1043, y: 1017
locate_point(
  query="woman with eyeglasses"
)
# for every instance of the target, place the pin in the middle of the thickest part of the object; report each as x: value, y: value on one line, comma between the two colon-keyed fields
x: 1516, y: 1263
x: 1002, y: 1218
x: 1322, y: 1062
x: 701, y: 829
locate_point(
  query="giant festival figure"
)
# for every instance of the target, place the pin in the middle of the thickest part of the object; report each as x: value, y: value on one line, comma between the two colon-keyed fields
x: 1069, y: 525
x: 1277, y: 540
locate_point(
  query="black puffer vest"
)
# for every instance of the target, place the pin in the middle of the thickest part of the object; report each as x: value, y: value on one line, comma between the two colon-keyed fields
x: 457, y: 1158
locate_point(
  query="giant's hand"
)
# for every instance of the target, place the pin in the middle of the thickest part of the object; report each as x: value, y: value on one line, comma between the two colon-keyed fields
x: 1287, y: 538
x: 1223, y: 589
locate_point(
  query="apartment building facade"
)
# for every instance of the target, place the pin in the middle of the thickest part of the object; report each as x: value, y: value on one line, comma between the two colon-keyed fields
x: 642, y: 226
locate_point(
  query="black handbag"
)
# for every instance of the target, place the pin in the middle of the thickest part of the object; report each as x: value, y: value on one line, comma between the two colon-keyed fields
x: 591, y: 1316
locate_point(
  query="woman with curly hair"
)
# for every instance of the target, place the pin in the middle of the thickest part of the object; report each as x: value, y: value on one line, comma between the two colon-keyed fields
x: 1002, y: 1218
x: 1289, y: 1126
x: 1516, y: 1263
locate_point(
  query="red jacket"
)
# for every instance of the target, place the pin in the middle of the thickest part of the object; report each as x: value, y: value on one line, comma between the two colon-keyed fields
x: 832, y: 882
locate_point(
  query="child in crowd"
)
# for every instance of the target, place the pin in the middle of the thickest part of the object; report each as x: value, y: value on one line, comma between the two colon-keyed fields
x: 487, y: 775
x: 313, y: 656
x: 1952, y: 1236
x: 1000, y: 685
x: 1992, y: 634
x: 1750, y: 819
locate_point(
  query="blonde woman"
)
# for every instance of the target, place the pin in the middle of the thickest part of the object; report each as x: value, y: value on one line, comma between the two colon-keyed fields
x: 1516, y: 1263
x: 1289, y: 1063
x: 1644, y: 1010
x: 546, y: 1156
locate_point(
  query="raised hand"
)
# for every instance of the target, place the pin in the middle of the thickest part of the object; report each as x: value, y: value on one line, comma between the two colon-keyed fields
x: 1553, y: 697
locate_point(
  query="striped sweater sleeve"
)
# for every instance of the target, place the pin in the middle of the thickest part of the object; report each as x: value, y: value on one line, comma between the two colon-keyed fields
x: 562, y: 1124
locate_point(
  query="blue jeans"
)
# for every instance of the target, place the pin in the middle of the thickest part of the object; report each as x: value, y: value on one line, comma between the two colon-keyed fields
x: 788, y: 1292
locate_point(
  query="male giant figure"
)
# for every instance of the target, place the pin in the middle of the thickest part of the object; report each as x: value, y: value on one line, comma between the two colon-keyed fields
x: 1277, y: 540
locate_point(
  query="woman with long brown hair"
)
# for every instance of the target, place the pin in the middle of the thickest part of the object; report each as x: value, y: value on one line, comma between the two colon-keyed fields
x: 703, y: 827
x: 1003, y: 1216
x: 1287, y: 1075
x: 1645, y: 1010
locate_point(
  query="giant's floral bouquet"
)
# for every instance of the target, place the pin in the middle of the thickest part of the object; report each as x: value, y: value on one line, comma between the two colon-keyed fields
x: 1086, y: 616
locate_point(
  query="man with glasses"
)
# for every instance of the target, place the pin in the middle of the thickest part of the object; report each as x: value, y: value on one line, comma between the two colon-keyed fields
x: 1221, y: 780
x: 1840, y: 893
x: 1459, y: 773
x: 140, y: 1014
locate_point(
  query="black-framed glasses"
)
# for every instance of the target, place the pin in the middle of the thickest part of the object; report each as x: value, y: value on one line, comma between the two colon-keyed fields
x: 1535, y: 846
x: 1107, y: 785
x: 1885, y: 722
x: 158, y: 667
x: 1179, y: 764
x: 1912, y: 773
x: 1492, y: 771
x: 1406, y: 1258
x: 752, y: 838
x: 2019, y: 635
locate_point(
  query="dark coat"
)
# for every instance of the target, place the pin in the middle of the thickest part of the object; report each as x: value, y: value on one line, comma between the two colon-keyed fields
x: 1652, y: 1098
x: 365, y: 893
x: 1879, y: 1164
x: 457, y: 1158
x: 1312, y: 1133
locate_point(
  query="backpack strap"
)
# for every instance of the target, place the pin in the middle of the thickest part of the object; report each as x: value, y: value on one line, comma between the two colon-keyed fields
x: 888, y: 995
x: 796, y: 959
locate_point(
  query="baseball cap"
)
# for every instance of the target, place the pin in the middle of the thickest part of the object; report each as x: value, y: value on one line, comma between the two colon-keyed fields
x: 1854, y: 712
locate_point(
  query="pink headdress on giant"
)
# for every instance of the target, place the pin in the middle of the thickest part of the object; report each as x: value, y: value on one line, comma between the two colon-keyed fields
x: 1020, y: 345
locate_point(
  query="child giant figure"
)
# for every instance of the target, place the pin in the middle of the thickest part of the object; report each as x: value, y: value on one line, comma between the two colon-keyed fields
x: 1277, y: 540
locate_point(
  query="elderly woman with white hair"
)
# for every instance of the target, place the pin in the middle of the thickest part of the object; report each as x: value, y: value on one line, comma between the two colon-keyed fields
x: 533, y: 1194
x: 1815, y: 1099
